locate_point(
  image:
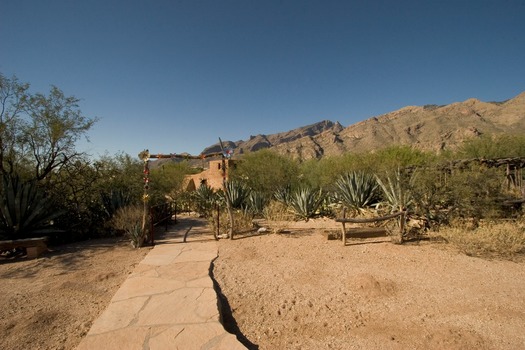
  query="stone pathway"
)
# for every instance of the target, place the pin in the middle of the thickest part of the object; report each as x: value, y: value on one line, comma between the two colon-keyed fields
x: 168, y: 302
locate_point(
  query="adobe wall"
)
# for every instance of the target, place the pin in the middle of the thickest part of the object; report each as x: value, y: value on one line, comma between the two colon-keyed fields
x: 212, y: 176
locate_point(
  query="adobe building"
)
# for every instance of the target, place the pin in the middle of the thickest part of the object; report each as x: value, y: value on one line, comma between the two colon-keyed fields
x: 213, y: 176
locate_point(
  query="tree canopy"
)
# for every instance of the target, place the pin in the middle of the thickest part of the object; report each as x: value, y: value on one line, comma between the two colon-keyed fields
x: 38, y: 132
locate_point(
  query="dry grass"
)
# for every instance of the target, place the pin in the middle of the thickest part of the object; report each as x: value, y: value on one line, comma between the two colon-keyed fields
x: 241, y: 222
x: 494, y: 239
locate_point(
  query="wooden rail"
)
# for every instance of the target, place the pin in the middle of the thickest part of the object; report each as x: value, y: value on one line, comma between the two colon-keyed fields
x: 344, y: 220
x: 160, y: 214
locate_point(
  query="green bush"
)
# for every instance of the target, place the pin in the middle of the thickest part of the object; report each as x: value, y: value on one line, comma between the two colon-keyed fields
x: 265, y: 171
x: 474, y: 192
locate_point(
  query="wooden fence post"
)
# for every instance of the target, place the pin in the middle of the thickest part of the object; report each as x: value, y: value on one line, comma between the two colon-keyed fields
x: 216, y: 233
x: 344, y: 228
x: 402, y: 219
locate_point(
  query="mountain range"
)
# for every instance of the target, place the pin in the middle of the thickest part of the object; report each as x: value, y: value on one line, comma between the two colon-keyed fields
x: 430, y: 127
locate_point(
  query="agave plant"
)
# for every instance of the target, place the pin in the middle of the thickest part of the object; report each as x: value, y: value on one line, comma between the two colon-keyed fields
x: 283, y: 195
x: 237, y: 193
x: 25, y: 211
x: 306, y: 201
x: 205, y: 199
x: 256, y: 202
x: 115, y: 200
x: 356, y: 190
x: 397, y: 190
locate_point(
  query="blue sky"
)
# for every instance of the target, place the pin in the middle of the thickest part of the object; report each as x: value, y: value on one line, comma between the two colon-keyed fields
x: 174, y: 76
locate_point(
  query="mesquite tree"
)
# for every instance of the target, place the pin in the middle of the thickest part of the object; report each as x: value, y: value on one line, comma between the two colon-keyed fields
x: 38, y: 135
x: 38, y: 132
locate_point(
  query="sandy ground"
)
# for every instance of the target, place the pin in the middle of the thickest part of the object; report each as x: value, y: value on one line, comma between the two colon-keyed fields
x: 298, y: 290
x: 295, y: 290
x: 51, y: 302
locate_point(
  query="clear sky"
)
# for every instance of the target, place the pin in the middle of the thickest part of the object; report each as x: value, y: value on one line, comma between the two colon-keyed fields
x: 175, y: 75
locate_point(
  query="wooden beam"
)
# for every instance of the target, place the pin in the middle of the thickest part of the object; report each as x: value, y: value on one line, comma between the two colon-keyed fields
x: 367, y: 221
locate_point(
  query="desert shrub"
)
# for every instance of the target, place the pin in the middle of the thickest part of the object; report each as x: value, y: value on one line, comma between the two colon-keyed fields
x: 474, y: 192
x: 183, y: 201
x: 242, y: 222
x: 492, y: 239
x: 130, y: 220
x: 167, y: 179
x: 277, y: 211
x: 398, y: 157
x: 429, y: 192
x: 265, y: 171
x: 323, y: 173
x: 493, y: 146
x: 114, y: 200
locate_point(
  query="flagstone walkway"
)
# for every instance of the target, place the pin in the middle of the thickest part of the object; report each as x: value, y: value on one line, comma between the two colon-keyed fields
x: 168, y: 302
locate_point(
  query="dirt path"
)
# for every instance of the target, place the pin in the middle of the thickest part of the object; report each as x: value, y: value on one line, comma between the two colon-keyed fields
x: 301, y: 291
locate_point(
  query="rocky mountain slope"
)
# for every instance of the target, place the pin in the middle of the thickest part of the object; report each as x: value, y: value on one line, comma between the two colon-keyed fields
x: 429, y: 127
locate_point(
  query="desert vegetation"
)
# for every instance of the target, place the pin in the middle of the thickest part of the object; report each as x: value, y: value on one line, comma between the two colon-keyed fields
x: 49, y: 188
x: 454, y: 197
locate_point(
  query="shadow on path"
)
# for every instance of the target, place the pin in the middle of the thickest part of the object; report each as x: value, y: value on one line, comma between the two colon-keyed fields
x: 225, y: 311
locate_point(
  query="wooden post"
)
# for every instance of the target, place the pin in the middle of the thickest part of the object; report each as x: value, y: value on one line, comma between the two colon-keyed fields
x: 216, y: 233
x: 151, y: 227
x: 402, y: 219
x: 228, y: 203
x: 344, y: 228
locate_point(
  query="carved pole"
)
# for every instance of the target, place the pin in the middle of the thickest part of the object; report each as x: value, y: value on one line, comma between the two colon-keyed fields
x: 226, y: 194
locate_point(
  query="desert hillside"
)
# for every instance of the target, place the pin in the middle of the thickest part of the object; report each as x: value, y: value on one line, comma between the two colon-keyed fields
x: 429, y: 127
